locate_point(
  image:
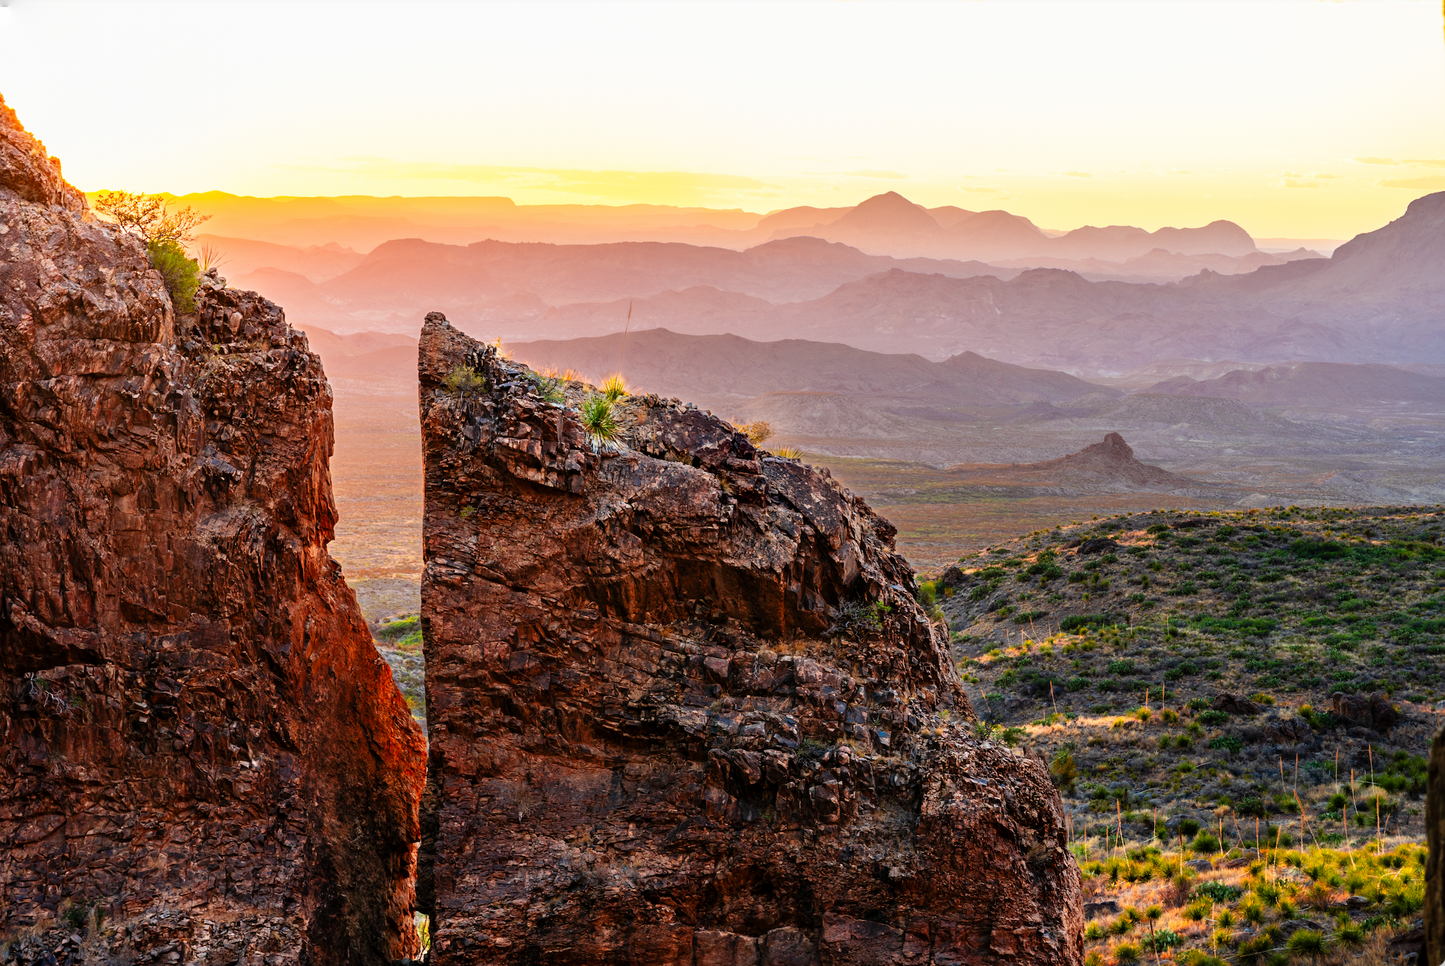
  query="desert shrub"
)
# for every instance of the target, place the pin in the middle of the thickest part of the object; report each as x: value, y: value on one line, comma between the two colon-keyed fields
x: 1189, y: 826
x: 1064, y: 770
x: 148, y: 217
x: 464, y: 381
x: 1076, y: 622
x: 1212, y: 717
x: 1205, y: 842
x: 549, y: 388
x: 600, y: 421
x: 1218, y: 891
x: 787, y: 452
x: 1161, y: 940
x: 181, y: 273
x: 758, y: 431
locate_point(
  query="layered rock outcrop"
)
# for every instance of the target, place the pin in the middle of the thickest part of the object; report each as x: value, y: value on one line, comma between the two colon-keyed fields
x: 685, y: 708
x: 192, y: 715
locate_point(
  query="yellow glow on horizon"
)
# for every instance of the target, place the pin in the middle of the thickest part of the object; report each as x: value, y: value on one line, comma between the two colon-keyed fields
x: 1293, y: 118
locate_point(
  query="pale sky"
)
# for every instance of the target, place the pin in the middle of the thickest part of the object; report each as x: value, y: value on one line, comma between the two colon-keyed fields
x: 1292, y: 117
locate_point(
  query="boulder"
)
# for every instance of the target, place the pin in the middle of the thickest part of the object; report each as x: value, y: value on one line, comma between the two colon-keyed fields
x: 1234, y: 704
x: 192, y: 713
x: 685, y: 707
x: 1373, y: 712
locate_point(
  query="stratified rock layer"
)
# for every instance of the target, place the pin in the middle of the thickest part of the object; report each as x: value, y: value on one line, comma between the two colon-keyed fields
x: 1435, y: 872
x: 685, y: 709
x: 192, y: 714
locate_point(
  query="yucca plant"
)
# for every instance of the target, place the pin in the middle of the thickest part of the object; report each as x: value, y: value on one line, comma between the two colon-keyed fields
x: 600, y: 422
x: 787, y: 452
x: 614, y: 387
x: 1305, y: 942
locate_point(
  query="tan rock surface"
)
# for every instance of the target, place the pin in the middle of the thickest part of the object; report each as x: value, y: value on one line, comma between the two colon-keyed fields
x: 192, y: 715
x: 685, y: 709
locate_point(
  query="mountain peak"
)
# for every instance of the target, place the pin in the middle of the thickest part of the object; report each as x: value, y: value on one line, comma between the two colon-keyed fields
x: 888, y: 212
x: 27, y: 169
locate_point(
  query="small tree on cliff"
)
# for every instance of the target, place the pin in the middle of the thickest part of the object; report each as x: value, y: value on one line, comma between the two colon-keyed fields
x: 165, y: 234
x: 149, y: 217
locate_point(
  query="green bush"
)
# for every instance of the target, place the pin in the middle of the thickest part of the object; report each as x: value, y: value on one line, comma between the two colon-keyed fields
x: 464, y: 381
x: 1163, y: 939
x: 1218, y: 891
x: 1076, y: 622
x: 182, y: 274
x: 600, y: 421
x: 1305, y: 942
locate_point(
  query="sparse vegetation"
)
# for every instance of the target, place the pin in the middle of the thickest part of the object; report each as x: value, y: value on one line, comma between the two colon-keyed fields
x: 165, y: 234
x: 1246, y: 764
x: 464, y: 381
x: 758, y: 431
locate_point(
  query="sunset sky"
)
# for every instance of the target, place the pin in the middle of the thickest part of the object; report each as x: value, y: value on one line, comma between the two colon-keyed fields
x: 1299, y: 119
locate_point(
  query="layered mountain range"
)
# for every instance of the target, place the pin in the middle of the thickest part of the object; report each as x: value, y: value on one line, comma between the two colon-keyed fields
x: 1374, y: 300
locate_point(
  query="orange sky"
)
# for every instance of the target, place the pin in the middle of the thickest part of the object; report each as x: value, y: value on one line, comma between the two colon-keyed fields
x: 1294, y: 118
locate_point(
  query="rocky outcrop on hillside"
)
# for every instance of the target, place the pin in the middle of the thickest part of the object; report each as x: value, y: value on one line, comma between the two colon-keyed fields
x: 685, y: 708
x: 1435, y: 872
x: 197, y: 737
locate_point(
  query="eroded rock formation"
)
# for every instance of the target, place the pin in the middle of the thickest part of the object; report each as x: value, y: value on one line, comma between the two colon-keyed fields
x: 685, y: 709
x: 192, y: 714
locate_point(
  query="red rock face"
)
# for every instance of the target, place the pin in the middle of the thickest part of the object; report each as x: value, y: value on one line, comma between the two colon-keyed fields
x: 685, y: 709
x: 192, y: 714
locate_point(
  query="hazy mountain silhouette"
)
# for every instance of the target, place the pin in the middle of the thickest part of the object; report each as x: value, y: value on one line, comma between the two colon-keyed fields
x: 1315, y: 384
x: 716, y: 367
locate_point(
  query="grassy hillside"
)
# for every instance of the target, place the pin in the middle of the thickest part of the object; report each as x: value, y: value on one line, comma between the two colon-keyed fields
x: 1251, y: 692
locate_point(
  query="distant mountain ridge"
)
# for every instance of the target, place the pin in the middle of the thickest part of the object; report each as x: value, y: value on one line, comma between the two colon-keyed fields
x: 885, y: 224
x: 1378, y: 299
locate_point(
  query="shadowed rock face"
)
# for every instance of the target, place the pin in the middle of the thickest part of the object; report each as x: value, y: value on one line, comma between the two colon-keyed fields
x: 192, y: 714
x: 686, y: 710
x: 1435, y: 874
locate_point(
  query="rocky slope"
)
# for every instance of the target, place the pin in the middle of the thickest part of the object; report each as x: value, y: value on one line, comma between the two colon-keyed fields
x: 197, y: 738
x: 1435, y: 873
x: 685, y: 708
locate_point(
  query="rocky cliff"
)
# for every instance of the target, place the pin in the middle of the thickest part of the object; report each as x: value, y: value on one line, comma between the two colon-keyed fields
x: 198, y: 741
x: 1435, y: 871
x: 685, y: 709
